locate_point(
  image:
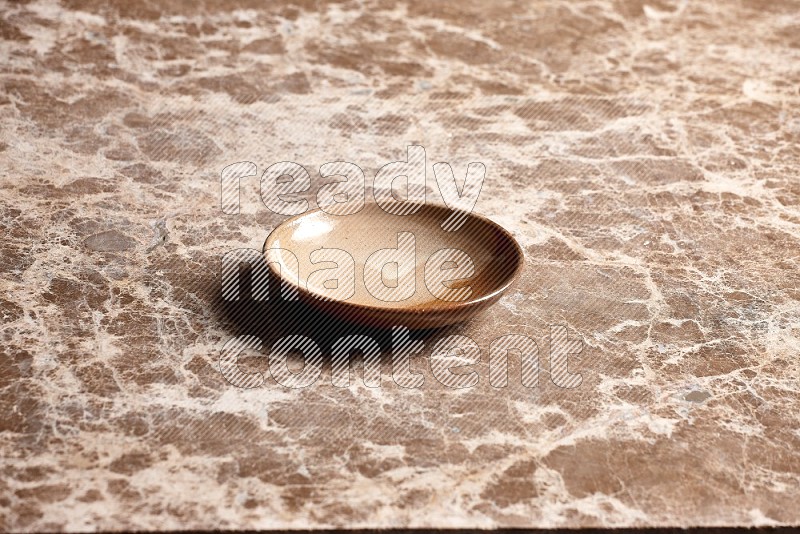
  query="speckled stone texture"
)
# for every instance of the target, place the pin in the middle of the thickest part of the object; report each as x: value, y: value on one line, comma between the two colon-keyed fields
x: 644, y: 154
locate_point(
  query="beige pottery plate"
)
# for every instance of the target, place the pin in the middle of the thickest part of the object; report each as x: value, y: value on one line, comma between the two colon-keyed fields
x: 344, y: 264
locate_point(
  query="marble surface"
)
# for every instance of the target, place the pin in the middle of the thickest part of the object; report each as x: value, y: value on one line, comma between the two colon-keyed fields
x: 644, y: 153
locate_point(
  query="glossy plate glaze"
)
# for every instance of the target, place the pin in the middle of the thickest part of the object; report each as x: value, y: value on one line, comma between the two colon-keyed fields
x: 339, y: 259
